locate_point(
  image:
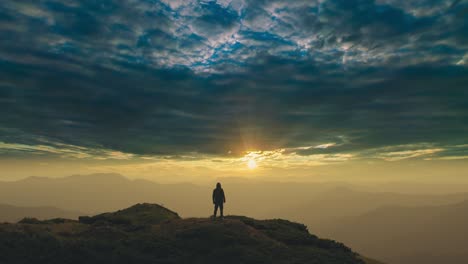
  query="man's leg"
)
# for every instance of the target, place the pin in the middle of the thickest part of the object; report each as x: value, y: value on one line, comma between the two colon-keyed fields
x: 215, y: 210
x: 221, y: 207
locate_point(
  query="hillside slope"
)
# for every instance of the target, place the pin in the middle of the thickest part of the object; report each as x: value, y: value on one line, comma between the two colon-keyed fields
x: 148, y: 233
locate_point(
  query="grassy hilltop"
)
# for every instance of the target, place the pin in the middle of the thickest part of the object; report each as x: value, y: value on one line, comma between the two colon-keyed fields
x: 149, y: 233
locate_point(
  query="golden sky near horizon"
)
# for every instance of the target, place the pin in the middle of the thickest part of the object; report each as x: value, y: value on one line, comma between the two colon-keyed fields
x: 386, y: 164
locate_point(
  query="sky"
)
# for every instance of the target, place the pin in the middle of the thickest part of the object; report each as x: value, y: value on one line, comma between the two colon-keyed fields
x: 181, y: 90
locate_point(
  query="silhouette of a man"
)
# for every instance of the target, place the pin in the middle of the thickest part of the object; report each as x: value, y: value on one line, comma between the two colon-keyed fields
x: 218, y: 200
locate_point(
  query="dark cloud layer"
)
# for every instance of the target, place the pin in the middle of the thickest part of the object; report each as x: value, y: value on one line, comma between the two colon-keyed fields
x: 152, y: 77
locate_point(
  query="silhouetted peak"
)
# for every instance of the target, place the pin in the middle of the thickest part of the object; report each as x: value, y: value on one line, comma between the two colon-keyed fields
x: 144, y: 213
x: 147, y: 208
x: 34, y: 179
x: 99, y: 176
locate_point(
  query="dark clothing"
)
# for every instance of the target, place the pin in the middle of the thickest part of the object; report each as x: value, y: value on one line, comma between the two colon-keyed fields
x: 218, y: 196
x: 218, y: 200
x: 220, y: 209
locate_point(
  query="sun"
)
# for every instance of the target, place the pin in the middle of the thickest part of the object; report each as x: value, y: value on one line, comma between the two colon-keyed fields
x: 252, y: 164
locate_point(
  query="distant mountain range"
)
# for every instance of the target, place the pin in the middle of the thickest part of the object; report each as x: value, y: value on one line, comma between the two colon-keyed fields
x: 99, y: 193
x: 395, y: 227
x: 339, y: 202
x: 407, y: 235
x: 96, y: 193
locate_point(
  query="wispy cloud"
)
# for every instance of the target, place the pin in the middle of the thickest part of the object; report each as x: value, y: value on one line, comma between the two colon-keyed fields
x: 407, y: 154
x: 63, y: 151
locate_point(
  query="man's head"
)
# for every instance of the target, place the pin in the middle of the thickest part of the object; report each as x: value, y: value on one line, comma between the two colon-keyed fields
x: 218, y: 185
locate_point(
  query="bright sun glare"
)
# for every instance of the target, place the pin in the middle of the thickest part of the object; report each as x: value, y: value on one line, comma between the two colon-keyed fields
x: 252, y: 164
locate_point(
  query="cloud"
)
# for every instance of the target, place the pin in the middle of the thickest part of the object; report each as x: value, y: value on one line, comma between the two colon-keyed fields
x: 170, y: 78
x: 407, y: 154
x: 54, y: 149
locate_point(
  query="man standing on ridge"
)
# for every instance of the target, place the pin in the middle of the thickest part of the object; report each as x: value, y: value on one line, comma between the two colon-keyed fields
x: 218, y: 200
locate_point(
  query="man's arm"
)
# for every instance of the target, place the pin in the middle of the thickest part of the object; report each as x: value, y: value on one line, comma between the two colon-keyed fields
x: 213, y: 196
x: 224, y: 197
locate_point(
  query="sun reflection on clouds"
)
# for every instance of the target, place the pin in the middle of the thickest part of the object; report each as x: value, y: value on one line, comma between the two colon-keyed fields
x: 406, y: 154
x: 286, y: 158
x: 282, y: 157
x: 250, y: 163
